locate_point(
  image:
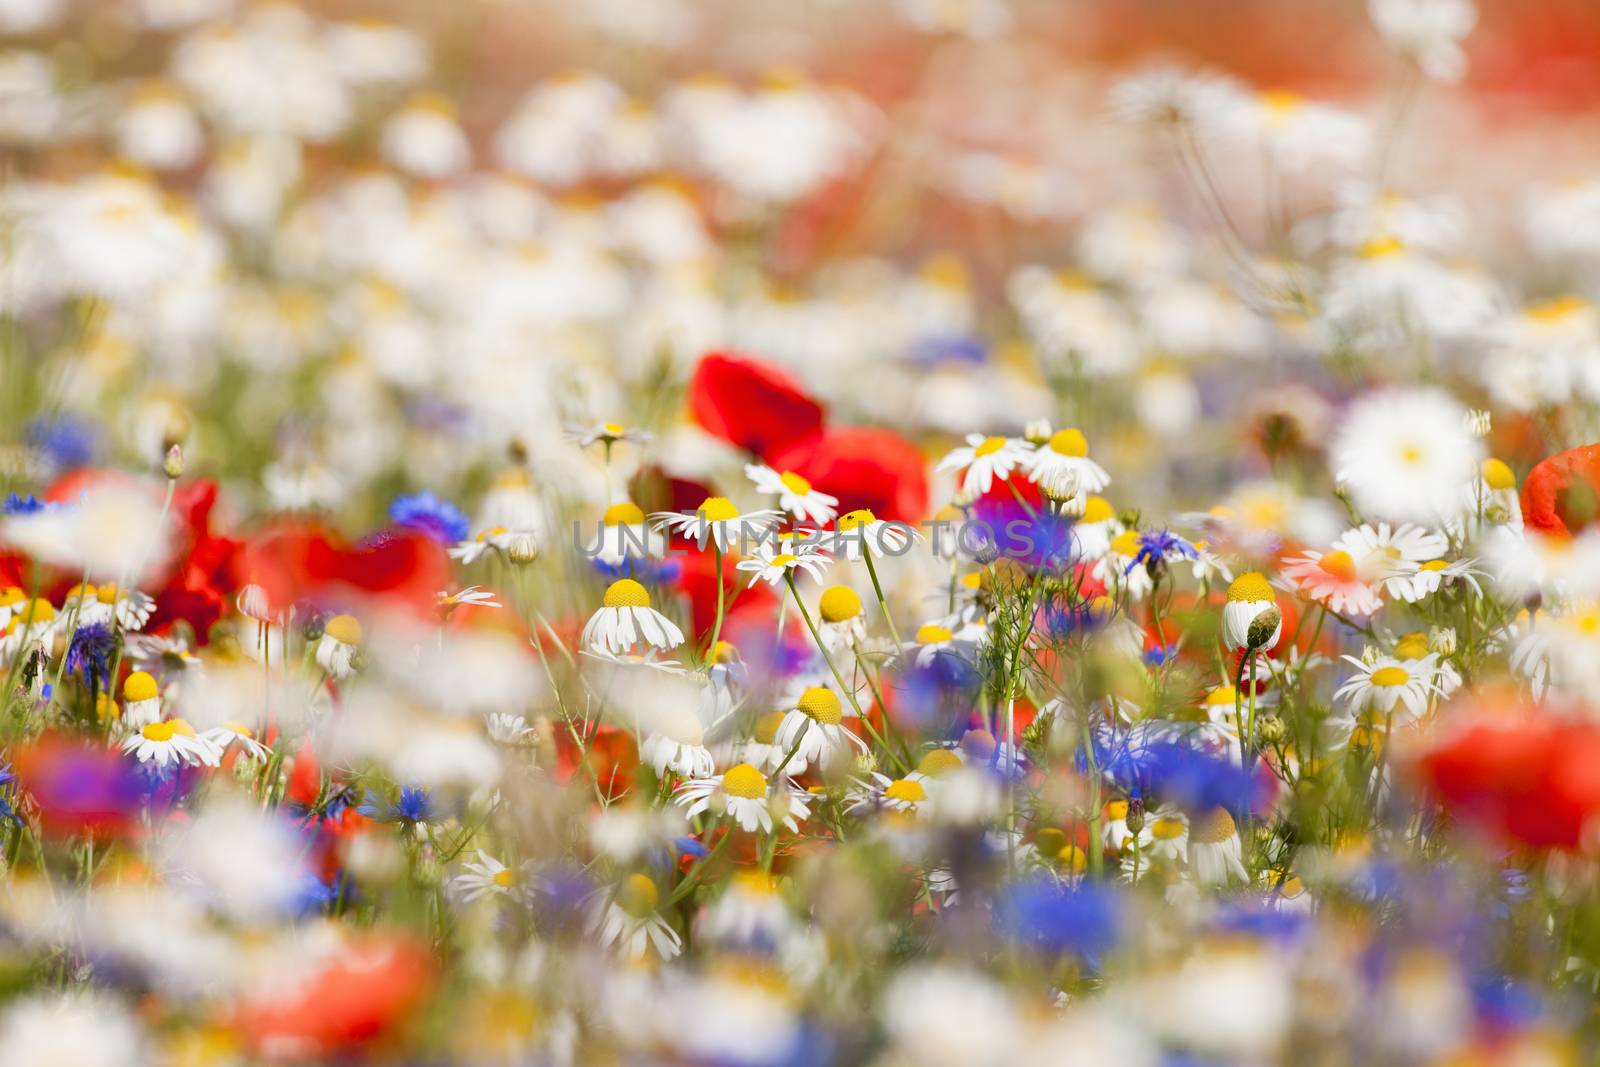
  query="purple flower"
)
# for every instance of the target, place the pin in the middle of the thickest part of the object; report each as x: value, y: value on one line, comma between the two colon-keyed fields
x: 429, y: 514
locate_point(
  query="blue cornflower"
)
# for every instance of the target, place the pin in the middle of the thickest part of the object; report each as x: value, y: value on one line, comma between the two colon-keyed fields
x: 66, y: 442
x: 413, y: 806
x: 425, y: 512
x: 90, y: 652
x: 22, y: 505
x: 1085, y: 920
x: 6, y: 780
x: 1161, y: 546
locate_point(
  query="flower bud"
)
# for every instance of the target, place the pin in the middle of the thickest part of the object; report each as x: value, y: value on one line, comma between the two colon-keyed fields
x: 1442, y: 640
x: 172, y: 466
x: 1263, y: 629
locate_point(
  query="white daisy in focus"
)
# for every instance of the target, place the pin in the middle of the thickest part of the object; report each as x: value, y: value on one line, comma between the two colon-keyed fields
x: 795, y: 494
x: 1389, y: 685
x: 1061, y: 467
x: 813, y: 730
x: 625, y: 619
x: 984, y: 459
x: 744, y: 794
x: 173, y: 741
x: 719, y: 521
x: 860, y: 533
x: 1407, y: 455
x: 775, y: 561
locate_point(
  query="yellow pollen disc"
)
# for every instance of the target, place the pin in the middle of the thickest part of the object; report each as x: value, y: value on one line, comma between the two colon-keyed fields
x: 1215, y: 826
x: 1411, y: 646
x: 1339, y: 565
x: 626, y: 593
x: 794, y: 483
x: 638, y: 895
x: 939, y: 761
x: 1116, y: 810
x: 40, y: 611
x: 1222, y: 694
x: 614, y: 429
x: 723, y: 652
x: 906, y: 790
x: 491, y: 532
x: 1126, y: 543
x: 106, y: 594
x: 852, y: 520
x: 139, y: 686
x: 1281, y: 102
x: 1382, y: 247
x: 1553, y: 311
x: 344, y: 629
x: 1498, y: 475
x: 1166, y: 828
x: 766, y: 731
x: 86, y: 591
x: 839, y: 603
x: 990, y: 446
x: 1069, y: 442
x: 1435, y: 565
x: 821, y: 705
x: 1390, y: 676
x: 1250, y: 588
x: 718, y: 509
x: 240, y: 728
x: 972, y: 581
x: 505, y: 879
x: 932, y: 634
x: 1411, y: 453
x: 1097, y: 509
x: 626, y: 513
x: 1073, y: 859
x: 743, y: 780
x: 159, y: 731
x: 784, y: 559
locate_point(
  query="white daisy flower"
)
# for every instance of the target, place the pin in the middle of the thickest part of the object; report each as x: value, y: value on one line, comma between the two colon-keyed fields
x: 1215, y: 855
x: 882, y: 793
x: 813, y: 730
x: 627, y: 917
x: 234, y: 733
x: 795, y: 494
x: 719, y: 521
x: 1407, y: 455
x: 744, y: 793
x: 841, y: 619
x: 337, y: 648
x: 1248, y: 597
x: 1431, y: 576
x: 676, y: 742
x: 775, y: 561
x: 860, y: 532
x: 624, y: 536
x: 984, y: 459
x: 1388, y: 684
x: 606, y: 433
x: 487, y: 876
x: 517, y: 545
x: 472, y: 594
x: 625, y: 619
x: 1062, y: 469
x: 141, y: 701
x: 506, y: 728
x: 173, y: 741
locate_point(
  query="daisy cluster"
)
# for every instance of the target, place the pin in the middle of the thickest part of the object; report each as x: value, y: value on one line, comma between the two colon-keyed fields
x: 649, y: 532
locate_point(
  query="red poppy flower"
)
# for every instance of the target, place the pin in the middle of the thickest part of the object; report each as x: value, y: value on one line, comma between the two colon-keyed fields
x: 865, y: 468
x: 752, y: 404
x: 345, y: 1000
x: 200, y: 582
x: 1562, y: 493
x: 300, y: 561
x: 1527, y: 778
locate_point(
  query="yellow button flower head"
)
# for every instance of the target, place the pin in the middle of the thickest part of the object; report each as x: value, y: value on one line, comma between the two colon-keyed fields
x: 345, y: 629
x: 139, y: 686
x: 820, y: 704
x: 839, y: 603
x: 626, y: 593
x: 1249, y: 597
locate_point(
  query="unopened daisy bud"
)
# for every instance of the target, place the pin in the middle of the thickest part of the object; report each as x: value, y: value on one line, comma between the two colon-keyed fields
x: 839, y: 603
x: 1249, y: 597
x: 172, y: 466
x: 864, y: 764
x: 1369, y: 654
x: 1497, y: 474
x: 1478, y: 422
x: 1271, y: 729
x: 1037, y: 432
x: 521, y: 547
x: 1264, y: 629
x: 1442, y: 640
x: 336, y: 650
x: 141, y: 700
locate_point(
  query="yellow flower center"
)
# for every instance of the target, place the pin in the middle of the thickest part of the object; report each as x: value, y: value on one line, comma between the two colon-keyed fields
x: 1411, y: 453
x: 139, y: 686
x: 626, y: 593
x: 718, y: 509
x: 1073, y: 859
x: 1097, y: 509
x: 1281, y: 104
x: 1116, y: 810
x: 1388, y: 677
x: 743, y: 780
x: 990, y: 446
x: 1126, y: 543
x: 783, y: 559
x: 839, y: 603
x: 106, y: 594
x: 1250, y: 587
x: 638, y: 895
x: 1338, y: 564
x: 794, y: 483
x: 505, y: 879
x: 906, y: 790
x: 1213, y: 827
x: 852, y: 520
x: 766, y: 731
x: 613, y: 429
x: 932, y: 633
x: 1382, y: 247
x: 1553, y: 311
x: 938, y: 762
x: 1166, y: 828
x: 626, y: 513
x: 1498, y: 475
x: 344, y: 629
x: 1411, y: 646
x: 1222, y: 695
x: 165, y: 731
x: 1069, y: 442
x: 821, y: 705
